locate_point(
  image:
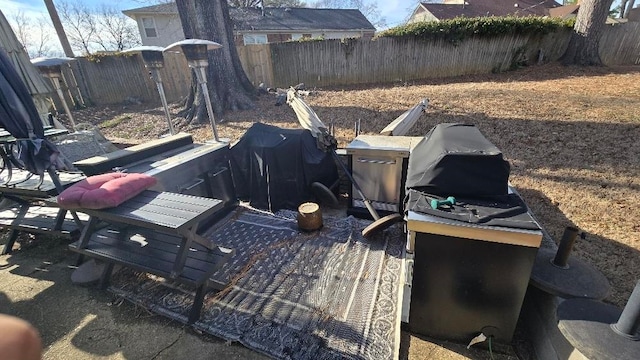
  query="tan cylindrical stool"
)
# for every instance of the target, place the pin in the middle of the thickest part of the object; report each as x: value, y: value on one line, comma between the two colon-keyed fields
x: 309, y: 217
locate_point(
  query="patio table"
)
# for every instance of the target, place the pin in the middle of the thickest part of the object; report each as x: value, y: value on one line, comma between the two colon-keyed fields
x: 157, y: 233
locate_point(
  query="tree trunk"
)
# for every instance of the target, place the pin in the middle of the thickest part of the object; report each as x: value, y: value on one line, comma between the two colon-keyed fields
x: 585, y: 39
x: 229, y: 87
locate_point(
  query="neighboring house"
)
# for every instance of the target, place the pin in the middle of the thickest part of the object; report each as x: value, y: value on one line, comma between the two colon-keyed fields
x: 160, y: 24
x: 478, y: 8
x: 565, y: 11
x: 571, y: 11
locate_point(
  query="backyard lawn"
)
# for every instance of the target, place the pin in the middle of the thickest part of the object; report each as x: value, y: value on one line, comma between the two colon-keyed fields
x: 571, y: 135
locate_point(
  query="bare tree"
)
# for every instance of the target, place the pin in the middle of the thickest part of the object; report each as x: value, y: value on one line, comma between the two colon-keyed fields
x: 368, y: 8
x: 583, y: 46
x: 34, y: 35
x: 115, y: 31
x: 104, y: 28
x: 21, y: 27
x: 80, y: 24
x: 229, y: 87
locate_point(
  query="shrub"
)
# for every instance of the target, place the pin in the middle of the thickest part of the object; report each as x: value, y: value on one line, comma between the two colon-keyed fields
x: 460, y: 28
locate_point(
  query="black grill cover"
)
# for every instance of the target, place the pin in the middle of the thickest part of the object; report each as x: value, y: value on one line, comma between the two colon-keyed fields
x: 273, y: 168
x: 457, y: 160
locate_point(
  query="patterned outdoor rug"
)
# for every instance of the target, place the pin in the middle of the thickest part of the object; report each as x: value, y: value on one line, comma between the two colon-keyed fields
x: 329, y: 294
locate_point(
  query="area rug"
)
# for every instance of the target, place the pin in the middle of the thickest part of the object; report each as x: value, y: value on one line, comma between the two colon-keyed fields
x: 329, y: 294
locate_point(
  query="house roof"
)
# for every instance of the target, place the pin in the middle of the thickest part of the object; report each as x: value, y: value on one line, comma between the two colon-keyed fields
x: 167, y: 8
x: 478, y: 8
x: 279, y: 18
x: 298, y: 19
x: 565, y: 10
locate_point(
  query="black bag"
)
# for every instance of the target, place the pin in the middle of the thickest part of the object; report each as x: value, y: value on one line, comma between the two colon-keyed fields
x: 457, y: 160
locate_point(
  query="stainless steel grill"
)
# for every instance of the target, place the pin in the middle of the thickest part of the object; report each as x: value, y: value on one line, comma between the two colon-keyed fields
x: 378, y: 164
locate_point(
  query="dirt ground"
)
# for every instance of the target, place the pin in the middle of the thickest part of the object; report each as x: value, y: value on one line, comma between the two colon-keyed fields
x: 571, y: 136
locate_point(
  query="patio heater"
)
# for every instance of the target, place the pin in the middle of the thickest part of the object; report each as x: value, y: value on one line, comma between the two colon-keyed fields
x: 154, y: 61
x: 52, y: 68
x: 196, y: 52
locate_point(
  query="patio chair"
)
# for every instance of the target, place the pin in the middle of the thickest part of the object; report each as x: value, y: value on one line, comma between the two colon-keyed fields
x: 31, y: 162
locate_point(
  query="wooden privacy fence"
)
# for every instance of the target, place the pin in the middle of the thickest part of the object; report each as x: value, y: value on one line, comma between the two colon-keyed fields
x: 117, y: 79
x: 620, y: 44
x: 114, y: 79
x: 388, y: 60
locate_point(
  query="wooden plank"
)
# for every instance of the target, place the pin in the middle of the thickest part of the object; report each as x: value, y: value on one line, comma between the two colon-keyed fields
x: 108, y: 246
x: 106, y: 162
x: 147, y: 242
x: 145, y: 213
x: 163, y: 242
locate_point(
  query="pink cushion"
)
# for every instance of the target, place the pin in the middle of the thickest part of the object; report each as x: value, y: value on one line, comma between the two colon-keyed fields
x: 104, y: 191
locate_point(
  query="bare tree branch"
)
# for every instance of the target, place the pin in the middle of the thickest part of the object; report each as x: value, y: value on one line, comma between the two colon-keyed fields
x: 79, y: 24
x: 33, y: 35
x: 117, y: 32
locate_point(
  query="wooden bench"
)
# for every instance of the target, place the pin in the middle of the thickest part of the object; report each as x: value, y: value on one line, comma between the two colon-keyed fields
x: 6, y: 137
x: 104, y: 163
x: 156, y: 232
x: 25, y: 190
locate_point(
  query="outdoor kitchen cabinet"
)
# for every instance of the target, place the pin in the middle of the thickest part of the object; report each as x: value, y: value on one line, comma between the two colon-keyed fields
x: 379, y: 165
x: 467, y: 278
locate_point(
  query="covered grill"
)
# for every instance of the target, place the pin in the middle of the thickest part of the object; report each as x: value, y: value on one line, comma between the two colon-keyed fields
x: 472, y: 239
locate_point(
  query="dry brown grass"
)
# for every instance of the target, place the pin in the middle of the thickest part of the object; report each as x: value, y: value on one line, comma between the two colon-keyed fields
x: 571, y: 135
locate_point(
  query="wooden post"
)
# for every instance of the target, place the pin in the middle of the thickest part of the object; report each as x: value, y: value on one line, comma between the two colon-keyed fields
x: 57, y: 24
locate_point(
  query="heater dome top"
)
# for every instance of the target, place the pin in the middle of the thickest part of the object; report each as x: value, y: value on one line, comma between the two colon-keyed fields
x: 178, y: 46
x: 50, y: 61
x: 143, y: 48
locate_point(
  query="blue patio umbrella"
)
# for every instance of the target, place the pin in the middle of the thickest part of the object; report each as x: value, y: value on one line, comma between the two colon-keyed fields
x: 18, y: 115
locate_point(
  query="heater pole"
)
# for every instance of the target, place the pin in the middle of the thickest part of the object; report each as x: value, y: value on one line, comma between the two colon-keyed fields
x: 155, y: 74
x: 201, y: 75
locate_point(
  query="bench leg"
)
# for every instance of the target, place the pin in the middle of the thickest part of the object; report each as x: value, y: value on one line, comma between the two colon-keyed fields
x: 85, y: 236
x: 194, y: 314
x: 106, y: 275
x: 8, y: 247
x: 181, y: 257
x: 79, y: 260
x: 60, y: 219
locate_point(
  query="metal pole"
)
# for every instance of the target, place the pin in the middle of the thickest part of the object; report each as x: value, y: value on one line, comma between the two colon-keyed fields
x: 201, y: 75
x: 155, y: 74
x: 629, y: 320
x: 566, y: 245
x: 56, y: 84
